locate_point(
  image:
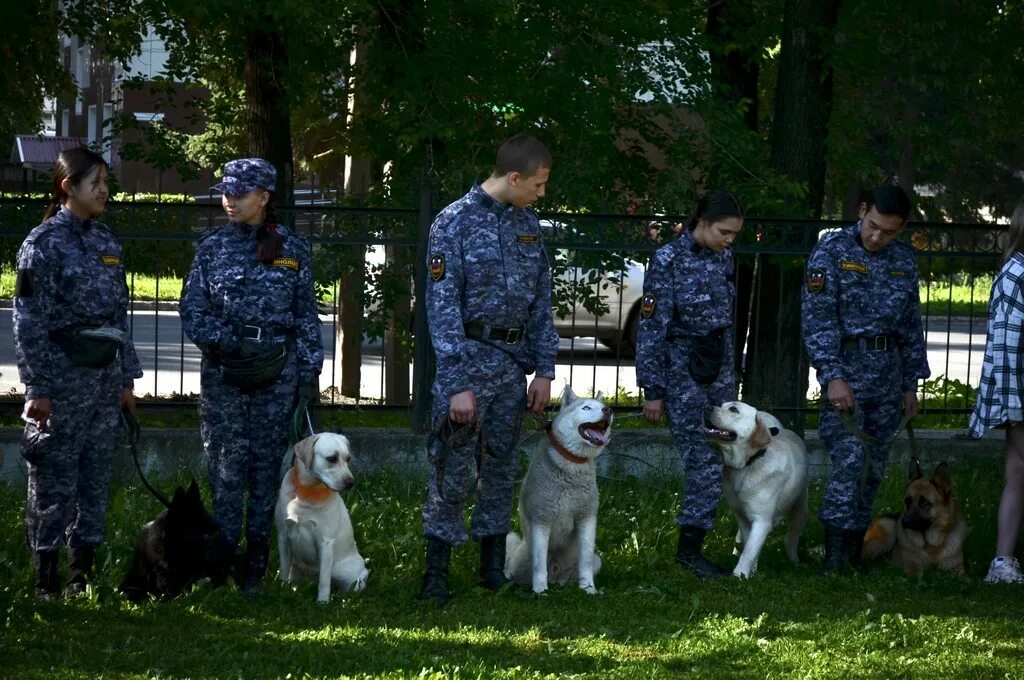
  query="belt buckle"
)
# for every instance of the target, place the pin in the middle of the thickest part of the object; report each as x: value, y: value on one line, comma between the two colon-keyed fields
x: 880, y: 343
x: 512, y: 336
x: 259, y: 332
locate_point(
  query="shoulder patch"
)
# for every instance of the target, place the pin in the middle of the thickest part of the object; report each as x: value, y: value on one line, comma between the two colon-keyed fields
x: 815, y: 280
x: 111, y: 260
x: 851, y: 266
x: 527, y: 238
x: 437, y: 266
x: 647, y: 305
x: 24, y: 283
x: 289, y: 262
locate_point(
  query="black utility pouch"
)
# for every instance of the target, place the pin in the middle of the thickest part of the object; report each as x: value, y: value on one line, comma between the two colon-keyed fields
x: 85, y: 351
x: 254, y: 372
x: 707, y: 357
x: 35, y: 444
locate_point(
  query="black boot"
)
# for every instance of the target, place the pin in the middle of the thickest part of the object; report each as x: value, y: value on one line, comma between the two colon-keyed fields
x: 79, y: 570
x: 853, y: 548
x: 492, y: 562
x: 221, y: 561
x: 254, y: 566
x: 688, y: 554
x: 435, y: 580
x: 835, y: 550
x: 47, y: 575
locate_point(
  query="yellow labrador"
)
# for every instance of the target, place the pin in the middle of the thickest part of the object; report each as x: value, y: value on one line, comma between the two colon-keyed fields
x: 314, y: 532
x: 765, y: 477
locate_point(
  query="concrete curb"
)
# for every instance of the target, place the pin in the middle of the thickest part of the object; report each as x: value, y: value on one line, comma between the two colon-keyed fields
x: 643, y: 454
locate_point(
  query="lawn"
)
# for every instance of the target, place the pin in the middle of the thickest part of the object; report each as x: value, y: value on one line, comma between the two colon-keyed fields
x: 650, y: 620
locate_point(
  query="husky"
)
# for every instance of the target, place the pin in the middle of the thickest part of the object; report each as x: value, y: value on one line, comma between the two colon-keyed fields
x: 558, y: 500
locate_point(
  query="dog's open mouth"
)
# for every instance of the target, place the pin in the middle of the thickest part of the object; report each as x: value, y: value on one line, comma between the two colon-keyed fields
x: 596, y: 433
x: 715, y: 433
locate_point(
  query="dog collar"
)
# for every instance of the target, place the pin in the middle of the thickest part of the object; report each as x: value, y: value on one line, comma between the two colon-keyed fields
x: 562, y: 451
x: 756, y: 456
x: 317, y: 492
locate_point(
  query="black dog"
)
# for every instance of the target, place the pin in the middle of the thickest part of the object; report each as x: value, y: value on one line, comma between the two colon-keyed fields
x: 173, y: 551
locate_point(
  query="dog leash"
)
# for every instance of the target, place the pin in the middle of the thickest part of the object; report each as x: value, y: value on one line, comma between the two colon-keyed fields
x: 849, y: 421
x: 303, y: 415
x: 132, y: 431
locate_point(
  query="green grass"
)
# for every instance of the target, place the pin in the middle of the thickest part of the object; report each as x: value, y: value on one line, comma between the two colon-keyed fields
x: 650, y: 620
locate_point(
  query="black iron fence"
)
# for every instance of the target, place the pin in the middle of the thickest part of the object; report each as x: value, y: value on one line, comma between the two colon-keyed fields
x: 369, y: 267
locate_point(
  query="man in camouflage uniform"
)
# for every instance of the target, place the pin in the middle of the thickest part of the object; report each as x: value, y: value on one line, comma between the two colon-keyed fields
x: 489, y: 308
x: 234, y: 305
x: 862, y: 328
x: 70, y: 276
x: 684, y: 363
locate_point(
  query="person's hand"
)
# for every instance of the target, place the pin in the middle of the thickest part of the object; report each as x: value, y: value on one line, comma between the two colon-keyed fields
x: 462, y: 407
x: 910, y: 405
x: 840, y: 396
x: 654, y: 409
x: 39, y: 411
x: 128, y: 399
x: 538, y: 396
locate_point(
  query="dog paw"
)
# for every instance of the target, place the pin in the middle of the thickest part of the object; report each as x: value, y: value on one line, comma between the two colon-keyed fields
x: 589, y: 589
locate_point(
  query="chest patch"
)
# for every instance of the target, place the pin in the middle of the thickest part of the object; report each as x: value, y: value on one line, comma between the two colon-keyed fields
x: 647, y: 305
x: 527, y: 238
x: 900, y: 273
x: 110, y: 260
x: 852, y: 266
x: 437, y: 266
x: 815, y: 280
x: 289, y: 262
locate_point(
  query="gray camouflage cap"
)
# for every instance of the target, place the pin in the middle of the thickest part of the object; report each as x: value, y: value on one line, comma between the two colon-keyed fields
x: 243, y: 175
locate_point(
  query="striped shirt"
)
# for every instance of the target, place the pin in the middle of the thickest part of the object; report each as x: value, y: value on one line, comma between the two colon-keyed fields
x: 1002, y: 382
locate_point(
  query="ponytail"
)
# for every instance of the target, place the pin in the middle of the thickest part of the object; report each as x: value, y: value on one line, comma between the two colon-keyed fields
x: 271, y: 245
x: 72, y: 165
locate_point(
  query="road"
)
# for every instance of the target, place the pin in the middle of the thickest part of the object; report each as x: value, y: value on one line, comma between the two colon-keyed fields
x: 583, y: 363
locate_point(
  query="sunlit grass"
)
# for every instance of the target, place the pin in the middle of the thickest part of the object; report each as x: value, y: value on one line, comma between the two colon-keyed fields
x: 650, y: 619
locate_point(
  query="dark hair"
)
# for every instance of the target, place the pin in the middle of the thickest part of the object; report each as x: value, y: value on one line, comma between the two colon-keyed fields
x: 1015, y: 243
x: 72, y: 165
x: 523, y: 154
x: 714, y: 206
x: 270, y: 242
x: 889, y: 199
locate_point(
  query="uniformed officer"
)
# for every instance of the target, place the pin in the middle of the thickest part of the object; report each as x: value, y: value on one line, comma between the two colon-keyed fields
x: 489, y: 308
x: 78, y: 364
x: 684, y: 358
x: 862, y: 329
x: 248, y: 303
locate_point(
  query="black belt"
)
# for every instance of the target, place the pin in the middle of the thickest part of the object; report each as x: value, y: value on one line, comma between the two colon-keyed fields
x: 479, y: 331
x: 869, y: 343
x: 259, y: 333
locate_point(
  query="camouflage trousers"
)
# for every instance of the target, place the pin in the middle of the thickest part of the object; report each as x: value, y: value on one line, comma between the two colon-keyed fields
x: 69, y: 463
x: 849, y: 492
x: 245, y: 437
x: 483, y: 457
x: 702, y: 463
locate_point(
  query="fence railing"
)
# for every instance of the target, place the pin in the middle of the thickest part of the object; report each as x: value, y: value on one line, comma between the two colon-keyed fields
x: 368, y: 262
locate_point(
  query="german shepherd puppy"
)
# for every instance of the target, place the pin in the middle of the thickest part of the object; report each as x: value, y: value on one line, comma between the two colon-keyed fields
x: 172, y: 552
x: 929, y: 533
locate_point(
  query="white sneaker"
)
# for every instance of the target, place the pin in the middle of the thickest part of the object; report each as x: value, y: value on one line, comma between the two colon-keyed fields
x: 1005, y: 570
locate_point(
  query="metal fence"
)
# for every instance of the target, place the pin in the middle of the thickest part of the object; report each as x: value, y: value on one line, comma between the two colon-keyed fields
x: 369, y: 266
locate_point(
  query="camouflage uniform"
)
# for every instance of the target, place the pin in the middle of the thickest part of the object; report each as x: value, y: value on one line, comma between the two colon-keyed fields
x: 853, y: 295
x: 689, y: 294
x: 245, y: 433
x: 70, y: 272
x: 487, y: 265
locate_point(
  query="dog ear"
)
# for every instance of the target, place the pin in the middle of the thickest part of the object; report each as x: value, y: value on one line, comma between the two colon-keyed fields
x: 568, y: 396
x: 941, y: 479
x: 304, y: 450
x: 600, y: 395
x: 761, y: 437
x: 914, y: 470
x: 179, y: 498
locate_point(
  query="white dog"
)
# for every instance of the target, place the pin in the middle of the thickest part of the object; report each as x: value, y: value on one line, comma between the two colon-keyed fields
x: 765, y: 477
x: 558, y: 500
x: 314, y: 533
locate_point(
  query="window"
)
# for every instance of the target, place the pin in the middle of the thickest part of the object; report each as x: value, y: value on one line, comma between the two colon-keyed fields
x: 92, y: 124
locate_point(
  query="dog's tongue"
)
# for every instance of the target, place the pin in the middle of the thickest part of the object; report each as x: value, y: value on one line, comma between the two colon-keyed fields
x: 598, y: 436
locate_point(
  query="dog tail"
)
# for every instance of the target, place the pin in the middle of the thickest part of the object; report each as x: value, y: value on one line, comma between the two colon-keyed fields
x: 880, y: 537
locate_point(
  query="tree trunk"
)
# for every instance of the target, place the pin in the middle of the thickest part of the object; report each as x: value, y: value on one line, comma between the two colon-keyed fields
x: 267, y: 113
x: 777, y: 367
